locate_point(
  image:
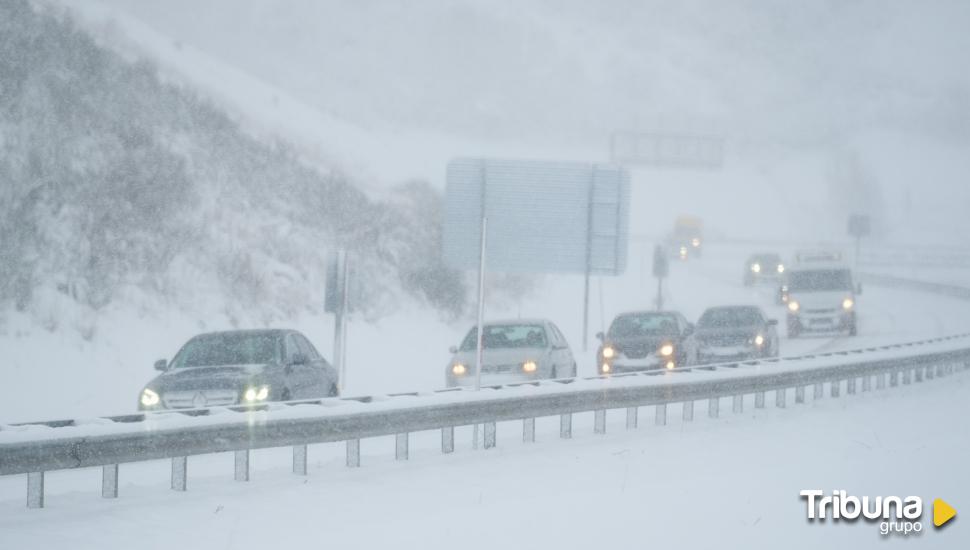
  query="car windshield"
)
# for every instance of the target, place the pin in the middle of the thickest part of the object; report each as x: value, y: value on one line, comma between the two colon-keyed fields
x: 506, y: 336
x: 820, y: 279
x: 643, y: 324
x: 729, y: 317
x: 766, y: 260
x: 228, y: 349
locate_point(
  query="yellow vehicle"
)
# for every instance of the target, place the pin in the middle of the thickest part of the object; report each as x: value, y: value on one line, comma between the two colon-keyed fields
x: 687, y: 239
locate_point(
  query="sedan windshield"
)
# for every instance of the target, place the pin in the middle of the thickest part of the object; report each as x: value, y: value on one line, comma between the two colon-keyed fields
x: 643, y: 324
x: 506, y: 336
x: 820, y: 279
x: 726, y: 317
x: 228, y: 349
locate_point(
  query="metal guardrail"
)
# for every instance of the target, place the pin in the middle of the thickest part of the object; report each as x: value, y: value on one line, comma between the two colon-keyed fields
x: 953, y: 291
x: 133, y: 438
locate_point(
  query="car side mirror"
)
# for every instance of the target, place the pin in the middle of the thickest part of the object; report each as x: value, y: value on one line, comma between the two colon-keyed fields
x: 772, y: 322
x: 161, y: 364
x: 453, y: 349
x: 600, y: 336
x: 298, y: 359
x: 858, y: 288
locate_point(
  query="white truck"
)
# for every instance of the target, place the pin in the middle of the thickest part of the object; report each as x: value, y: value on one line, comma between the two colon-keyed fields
x: 821, y: 298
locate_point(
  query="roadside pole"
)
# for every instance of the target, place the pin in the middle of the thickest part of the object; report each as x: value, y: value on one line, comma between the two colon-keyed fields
x: 479, y: 348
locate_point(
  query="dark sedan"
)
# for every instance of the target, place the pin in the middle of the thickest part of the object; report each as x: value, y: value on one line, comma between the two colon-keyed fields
x: 763, y: 268
x: 646, y: 340
x: 240, y: 367
x: 732, y: 333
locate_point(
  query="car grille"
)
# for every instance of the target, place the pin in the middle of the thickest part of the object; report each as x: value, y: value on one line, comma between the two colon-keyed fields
x: 724, y: 341
x: 499, y: 368
x: 827, y: 311
x: 636, y: 352
x: 200, y: 398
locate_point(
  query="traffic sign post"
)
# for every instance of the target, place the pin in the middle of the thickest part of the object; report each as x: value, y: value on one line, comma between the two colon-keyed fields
x: 661, y: 268
x: 859, y: 227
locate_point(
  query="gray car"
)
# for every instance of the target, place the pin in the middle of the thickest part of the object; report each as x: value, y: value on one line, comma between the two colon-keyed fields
x: 240, y: 367
x: 513, y: 351
x: 734, y: 333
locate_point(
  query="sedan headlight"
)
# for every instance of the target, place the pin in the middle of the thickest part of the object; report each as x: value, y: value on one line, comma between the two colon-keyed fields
x: 759, y: 340
x: 256, y: 394
x: 608, y: 352
x: 149, y: 398
x: 667, y: 350
x: 793, y: 306
x: 756, y: 268
x: 847, y: 304
x: 529, y: 366
x: 458, y: 369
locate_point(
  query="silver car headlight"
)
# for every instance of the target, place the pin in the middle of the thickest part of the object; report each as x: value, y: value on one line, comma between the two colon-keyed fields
x: 149, y: 398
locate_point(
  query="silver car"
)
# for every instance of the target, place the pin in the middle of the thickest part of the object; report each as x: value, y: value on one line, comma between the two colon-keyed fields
x: 513, y: 351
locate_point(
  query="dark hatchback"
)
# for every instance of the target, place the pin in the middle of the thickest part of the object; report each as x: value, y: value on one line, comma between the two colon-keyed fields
x: 646, y: 340
x: 732, y: 333
x: 240, y: 367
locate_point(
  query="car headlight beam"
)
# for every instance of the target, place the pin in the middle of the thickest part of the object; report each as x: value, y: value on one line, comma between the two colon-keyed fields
x: 608, y: 352
x: 781, y: 268
x: 847, y: 304
x: 667, y: 350
x: 793, y: 306
x: 259, y: 393
x: 756, y: 268
x: 458, y: 369
x: 759, y: 340
x: 529, y: 366
x: 149, y: 398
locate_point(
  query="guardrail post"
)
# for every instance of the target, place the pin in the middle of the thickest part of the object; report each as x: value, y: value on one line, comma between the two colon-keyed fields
x: 894, y: 378
x: 940, y: 372
x: 906, y: 377
x: 565, y: 426
x: 759, y: 400
x: 599, y: 421
x: 881, y: 381
x: 299, y: 459
x: 817, y: 392
x: 918, y: 374
x: 401, y: 446
x: 712, y: 407
x: 780, y: 395
x: 929, y: 372
x: 688, y: 411
x: 631, y: 417
x: 737, y: 404
x: 109, y: 481
x: 529, y: 430
x: 866, y: 382
x: 353, y: 453
x: 850, y: 386
x: 35, y: 490
x: 448, y: 439
x: 835, y: 387
x: 489, y: 435
x: 660, y: 416
x: 242, y: 465
x: 180, y: 470
x: 799, y: 394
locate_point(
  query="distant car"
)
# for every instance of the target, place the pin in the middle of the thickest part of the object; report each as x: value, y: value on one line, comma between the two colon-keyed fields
x: 822, y: 298
x: 512, y: 351
x: 732, y: 333
x: 763, y: 267
x: 686, y: 240
x: 646, y: 340
x: 240, y: 367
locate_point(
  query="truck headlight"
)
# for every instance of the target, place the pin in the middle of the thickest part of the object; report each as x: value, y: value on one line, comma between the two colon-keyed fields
x: 529, y: 366
x: 667, y: 350
x: 781, y: 268
x: 256, y: 394
x: 458, y: 369
x: 695, y: 242
x: 756, y: 268
x: 608, y: 352
x: 149, y: 398
x: 793, y: 306
x: 847, y: 304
